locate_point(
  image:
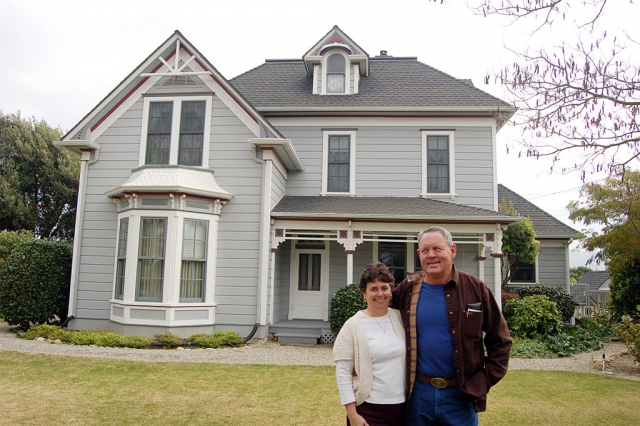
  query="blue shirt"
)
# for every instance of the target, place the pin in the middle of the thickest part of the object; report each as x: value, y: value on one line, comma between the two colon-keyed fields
x: 435, y: 347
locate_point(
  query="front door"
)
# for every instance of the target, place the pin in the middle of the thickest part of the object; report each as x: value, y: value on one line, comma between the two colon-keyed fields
x: 309, y: 284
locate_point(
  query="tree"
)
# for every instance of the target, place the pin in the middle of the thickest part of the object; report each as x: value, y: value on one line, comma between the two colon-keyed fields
x: 615, y: 205
x: 38, y: 181
x: 578, y: 272
x: 578, y: 97
x: 519, y: 244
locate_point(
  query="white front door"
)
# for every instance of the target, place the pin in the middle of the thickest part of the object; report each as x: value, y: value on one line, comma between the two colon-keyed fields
x: 308, y: 297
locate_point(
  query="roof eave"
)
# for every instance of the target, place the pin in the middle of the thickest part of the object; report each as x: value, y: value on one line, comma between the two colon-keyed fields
x: 470, y: 219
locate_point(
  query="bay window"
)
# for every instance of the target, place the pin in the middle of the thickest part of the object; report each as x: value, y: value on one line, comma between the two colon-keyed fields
x: 151, y: 259
x: 194, y: 260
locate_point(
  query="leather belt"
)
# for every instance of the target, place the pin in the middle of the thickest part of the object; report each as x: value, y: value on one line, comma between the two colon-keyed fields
x: 437, y: 382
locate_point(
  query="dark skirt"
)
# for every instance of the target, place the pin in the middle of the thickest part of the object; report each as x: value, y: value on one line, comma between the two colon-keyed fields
x: 382, y: 414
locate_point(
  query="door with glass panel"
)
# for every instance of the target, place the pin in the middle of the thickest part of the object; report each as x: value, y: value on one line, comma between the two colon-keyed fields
x: 309, y: 284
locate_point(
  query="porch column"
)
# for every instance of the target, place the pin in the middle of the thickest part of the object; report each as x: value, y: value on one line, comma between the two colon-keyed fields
x: 497, y: 274
x: 481, y: 258
x: 349, y: 268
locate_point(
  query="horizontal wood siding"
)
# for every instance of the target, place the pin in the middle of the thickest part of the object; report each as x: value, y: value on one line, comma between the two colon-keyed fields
x: 281, y: 282
x: 231, y: 157
x: 278, y: 185
x: 388, y: 163
x: 552, y: 266
x: 119, y: 153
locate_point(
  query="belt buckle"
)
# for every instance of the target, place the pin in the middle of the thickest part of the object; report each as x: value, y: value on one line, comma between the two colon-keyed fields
x: 439, y: 383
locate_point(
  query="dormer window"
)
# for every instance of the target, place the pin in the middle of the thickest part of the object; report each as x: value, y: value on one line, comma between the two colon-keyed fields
x: 336, y: 66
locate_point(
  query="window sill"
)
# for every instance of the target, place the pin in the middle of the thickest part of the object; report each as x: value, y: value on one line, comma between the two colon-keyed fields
x: 439, y: 196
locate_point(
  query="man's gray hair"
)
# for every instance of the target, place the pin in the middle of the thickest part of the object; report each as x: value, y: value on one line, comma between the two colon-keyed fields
x: 446, y: 234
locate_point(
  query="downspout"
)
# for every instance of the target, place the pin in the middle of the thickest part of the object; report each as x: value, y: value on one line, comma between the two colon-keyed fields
x: 85, y: 162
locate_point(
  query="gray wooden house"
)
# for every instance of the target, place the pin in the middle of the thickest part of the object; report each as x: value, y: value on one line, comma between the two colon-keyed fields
x: 210, y: 204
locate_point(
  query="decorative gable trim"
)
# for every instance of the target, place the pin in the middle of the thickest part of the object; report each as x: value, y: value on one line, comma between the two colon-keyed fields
x: 336, y: 38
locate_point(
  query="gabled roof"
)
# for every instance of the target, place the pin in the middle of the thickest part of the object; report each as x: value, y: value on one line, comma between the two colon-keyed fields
x: 394, y: 84
x: 336, y: 38
x: 545, y: 225
x: 594, y: 279
x: 151, y: 64
x: 384, y: 208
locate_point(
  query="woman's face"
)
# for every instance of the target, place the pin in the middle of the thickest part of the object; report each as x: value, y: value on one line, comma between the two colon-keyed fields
x: 377, y: 294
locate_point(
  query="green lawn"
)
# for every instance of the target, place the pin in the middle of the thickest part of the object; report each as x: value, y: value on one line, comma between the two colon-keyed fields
x: 43, y: 390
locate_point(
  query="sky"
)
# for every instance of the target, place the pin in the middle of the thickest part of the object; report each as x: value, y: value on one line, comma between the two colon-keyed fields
x: 61, y: 58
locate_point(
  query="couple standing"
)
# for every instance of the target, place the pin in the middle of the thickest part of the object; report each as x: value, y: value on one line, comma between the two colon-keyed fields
x: 443, y: 322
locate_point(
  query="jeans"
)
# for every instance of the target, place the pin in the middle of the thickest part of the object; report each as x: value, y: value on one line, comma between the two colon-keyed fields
x: 429, y: 405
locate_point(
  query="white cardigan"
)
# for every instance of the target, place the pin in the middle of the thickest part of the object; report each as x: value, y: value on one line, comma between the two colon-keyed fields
x: 351, y: 345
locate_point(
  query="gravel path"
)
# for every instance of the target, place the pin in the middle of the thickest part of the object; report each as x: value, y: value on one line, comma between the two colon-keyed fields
x: 269, y: 352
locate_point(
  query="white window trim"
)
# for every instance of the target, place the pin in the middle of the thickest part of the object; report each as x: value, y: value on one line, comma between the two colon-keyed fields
x: 347, y: 72
x: 452, y: 167
x: 172, y: 257
x: 352, y: 161
x: 175, y: 127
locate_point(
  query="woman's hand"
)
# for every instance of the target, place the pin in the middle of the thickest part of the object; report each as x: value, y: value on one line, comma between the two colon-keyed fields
x: 354, y: 418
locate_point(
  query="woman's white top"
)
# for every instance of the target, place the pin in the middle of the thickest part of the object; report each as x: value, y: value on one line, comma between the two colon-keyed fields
x: 386, y: 350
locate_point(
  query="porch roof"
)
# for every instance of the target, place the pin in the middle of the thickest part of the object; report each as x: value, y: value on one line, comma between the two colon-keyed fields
x: 384, y: 209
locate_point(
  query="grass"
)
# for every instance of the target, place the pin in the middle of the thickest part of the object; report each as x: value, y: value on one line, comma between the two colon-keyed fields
x: 46, y: 389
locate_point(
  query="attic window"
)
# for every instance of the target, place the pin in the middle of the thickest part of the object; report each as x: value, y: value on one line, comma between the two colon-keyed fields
x: 336, y: 73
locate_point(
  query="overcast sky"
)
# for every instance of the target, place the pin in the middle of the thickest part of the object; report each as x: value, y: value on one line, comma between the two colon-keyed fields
x: 60, y: 58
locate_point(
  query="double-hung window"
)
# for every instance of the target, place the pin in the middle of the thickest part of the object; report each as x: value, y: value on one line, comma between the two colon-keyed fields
x: 526, y: 273
x: 194, y: 261
x: 438, y: 175
x: 121, y: 261
x: 151, y: 259
x: 394, y: 255
x: 175, y: 131
x: 339, y: 164
x: 336, y: 67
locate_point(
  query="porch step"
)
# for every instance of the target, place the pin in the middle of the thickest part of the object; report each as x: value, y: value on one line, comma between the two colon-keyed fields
x: 299, y: 337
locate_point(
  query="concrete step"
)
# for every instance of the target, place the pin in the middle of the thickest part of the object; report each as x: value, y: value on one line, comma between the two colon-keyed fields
x: 298, y: 337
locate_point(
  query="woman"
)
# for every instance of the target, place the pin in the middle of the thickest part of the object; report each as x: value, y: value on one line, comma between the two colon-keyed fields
x: 370, y: 353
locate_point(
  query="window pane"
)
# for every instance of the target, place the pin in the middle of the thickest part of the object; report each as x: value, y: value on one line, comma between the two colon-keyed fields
x: 122, y: 256
x: 315, y: 277
x: 151, y: 259
x: 194, y: 248
x: 303, y: 274
x: 336, y: 63
x: 394, y: 255
x: 526, y: 273
x: 335, y: 83
x: 191, y: 133
x: 338, y: 164
x: 159, y: 132
x: 438, y: 164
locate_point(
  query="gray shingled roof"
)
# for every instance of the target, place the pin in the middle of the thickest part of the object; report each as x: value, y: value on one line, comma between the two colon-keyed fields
x: 594, y: 279
x: 545, y: 225
x: 383, y: 208
x: 393, y: 82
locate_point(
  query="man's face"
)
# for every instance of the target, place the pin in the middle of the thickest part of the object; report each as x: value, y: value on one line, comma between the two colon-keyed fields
x: 436, y: 257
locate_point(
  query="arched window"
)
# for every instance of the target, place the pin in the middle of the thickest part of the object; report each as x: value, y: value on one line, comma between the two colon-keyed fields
x: 335, y: 73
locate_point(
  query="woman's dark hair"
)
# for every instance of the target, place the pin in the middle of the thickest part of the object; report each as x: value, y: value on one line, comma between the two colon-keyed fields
x: 376, y: 271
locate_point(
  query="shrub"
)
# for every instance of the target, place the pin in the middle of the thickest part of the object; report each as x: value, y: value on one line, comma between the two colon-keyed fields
x: 9, y: 240
x: 532, y: 316
x: 558, y: 295
x: 527, y: 348
x: 169, y: 340
x: 572, y: 340
x: 629, y: 332
x: 42, y: 330
x: 344, y: 304
x: 217, y: 339
x: 108, y: 339
x: 85, y: 337
x: 137, y: 342
x: 34, y: 283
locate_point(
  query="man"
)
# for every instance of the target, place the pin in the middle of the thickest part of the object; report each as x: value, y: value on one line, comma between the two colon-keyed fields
x: 445, y: 313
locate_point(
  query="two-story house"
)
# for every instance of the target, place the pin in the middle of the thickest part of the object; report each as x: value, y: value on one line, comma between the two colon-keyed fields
x: 207, y: 204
